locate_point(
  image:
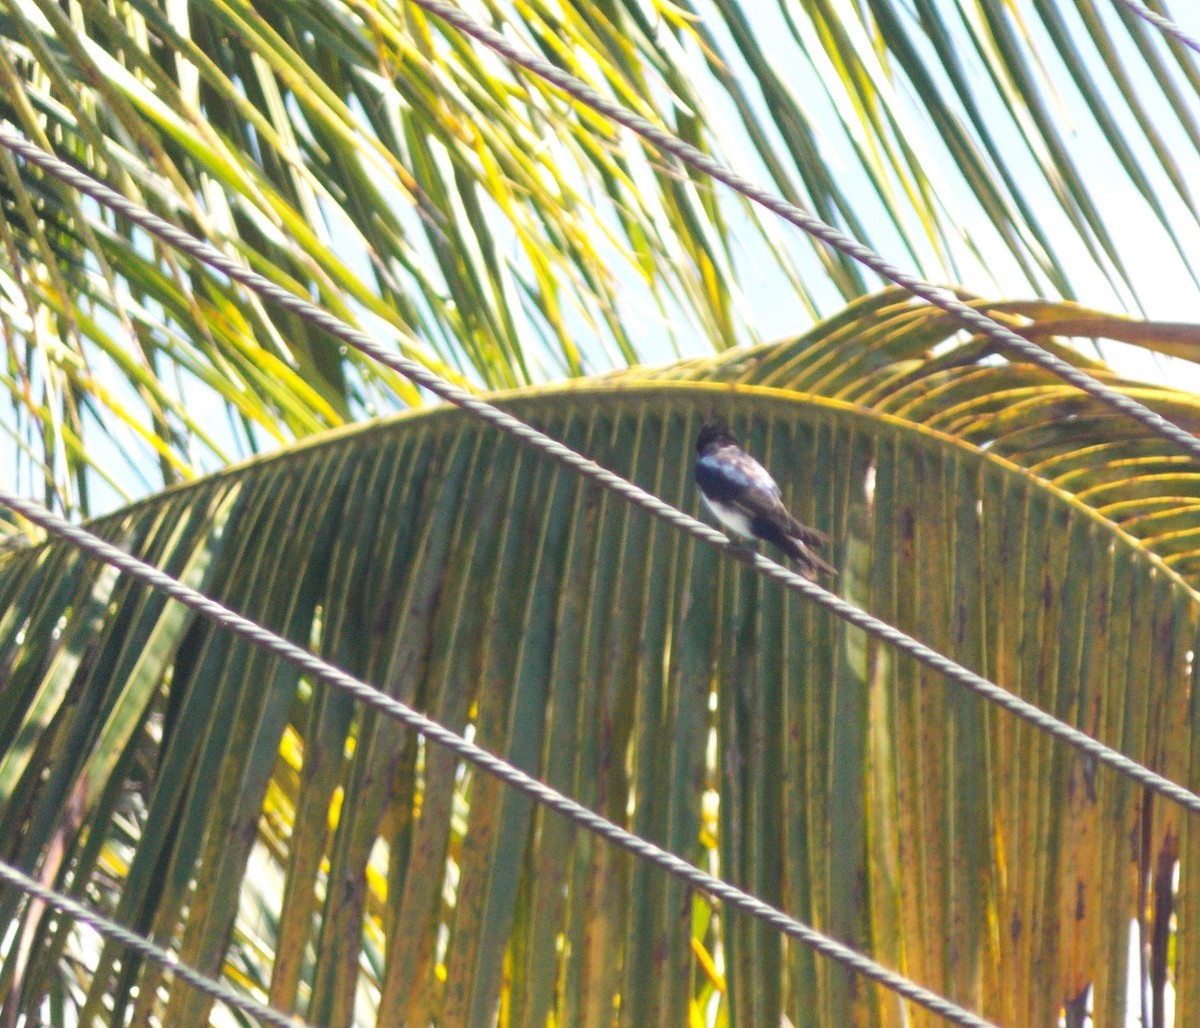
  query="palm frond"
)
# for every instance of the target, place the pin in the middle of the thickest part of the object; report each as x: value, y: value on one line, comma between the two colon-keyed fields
x: 675, y: 692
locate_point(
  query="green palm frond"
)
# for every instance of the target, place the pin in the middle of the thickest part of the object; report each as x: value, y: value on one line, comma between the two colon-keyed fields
x: 267, y: 828
x: 903, y: 358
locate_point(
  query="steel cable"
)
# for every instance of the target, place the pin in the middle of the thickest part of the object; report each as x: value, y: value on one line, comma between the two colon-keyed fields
x: 1162, y: 23
x: 938, y: 296
x: 118, y: 933
x: 481, y: 758
x: 932, y: 294
x: 501, y: 419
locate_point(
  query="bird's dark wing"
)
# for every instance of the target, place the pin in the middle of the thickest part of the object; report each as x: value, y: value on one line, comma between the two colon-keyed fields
x: 733, y: 477
x: 807, y: 560
x: 804, y: 533
x: 727, y: 475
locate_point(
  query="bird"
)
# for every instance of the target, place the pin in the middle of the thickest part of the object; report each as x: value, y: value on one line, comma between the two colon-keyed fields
x: 747, y: 501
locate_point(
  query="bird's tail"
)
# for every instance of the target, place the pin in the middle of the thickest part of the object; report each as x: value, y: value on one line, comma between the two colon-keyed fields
x: 809, y: 564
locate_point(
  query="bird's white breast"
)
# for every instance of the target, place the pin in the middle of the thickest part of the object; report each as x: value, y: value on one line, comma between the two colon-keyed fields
x: 732, y: 518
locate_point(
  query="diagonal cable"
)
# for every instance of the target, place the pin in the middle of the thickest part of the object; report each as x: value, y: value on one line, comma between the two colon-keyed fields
x: 118, y: 933
x: 493, y: 415
x: 506, y: 772
x: 299, y: 657
x: 977, y: 321
x: 939, y: 296
x: 498, y: 418
x: 1161, y: 22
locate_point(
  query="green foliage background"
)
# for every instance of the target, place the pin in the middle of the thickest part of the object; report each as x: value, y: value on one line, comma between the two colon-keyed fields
x: 362, y: 155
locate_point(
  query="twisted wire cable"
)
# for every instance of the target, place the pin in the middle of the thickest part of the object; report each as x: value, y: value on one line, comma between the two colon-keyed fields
x: 932, y: 294
x: 541, y: 793
x: 310, y: 664
x: 938, y: 296
x: 1161, y: 22
x: 118, y: 933
x: 498, y: 418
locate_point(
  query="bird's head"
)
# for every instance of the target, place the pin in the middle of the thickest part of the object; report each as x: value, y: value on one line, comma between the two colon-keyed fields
x: 714, y: 432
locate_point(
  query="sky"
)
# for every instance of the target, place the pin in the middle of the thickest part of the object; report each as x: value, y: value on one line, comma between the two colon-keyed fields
x: 1163, y: 288
x: 1163, y: 285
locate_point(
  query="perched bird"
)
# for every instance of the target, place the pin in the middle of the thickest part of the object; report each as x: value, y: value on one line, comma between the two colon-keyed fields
x: 747, y: 502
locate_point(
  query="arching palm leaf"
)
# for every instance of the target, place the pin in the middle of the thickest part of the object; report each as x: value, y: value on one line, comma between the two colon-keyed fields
x: 263, y: 825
